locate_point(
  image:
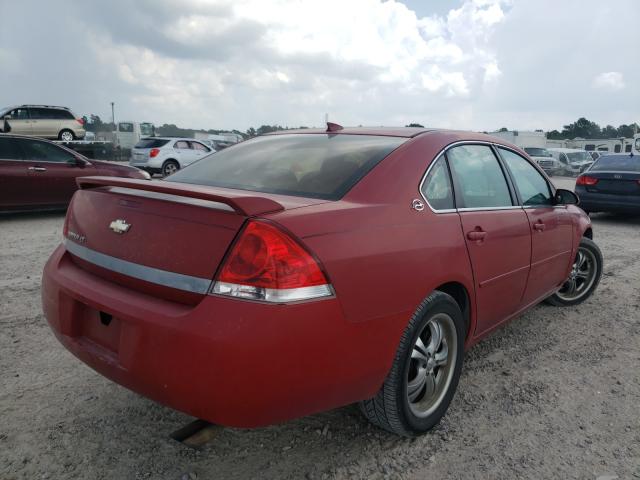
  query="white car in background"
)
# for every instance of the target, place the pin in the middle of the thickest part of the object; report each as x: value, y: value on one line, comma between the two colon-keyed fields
x: 167, y: 155
x: 572, y: 160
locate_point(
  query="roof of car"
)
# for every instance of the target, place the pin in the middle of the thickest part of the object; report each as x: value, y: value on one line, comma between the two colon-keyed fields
x: 407, y: 132
x: 566, y: 150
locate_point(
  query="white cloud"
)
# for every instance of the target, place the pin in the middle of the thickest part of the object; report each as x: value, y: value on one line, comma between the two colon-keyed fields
x: 609, y: 81
x: 479, y: 64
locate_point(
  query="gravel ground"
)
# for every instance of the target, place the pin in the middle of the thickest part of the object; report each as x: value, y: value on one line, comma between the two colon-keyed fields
x: 555, y: 394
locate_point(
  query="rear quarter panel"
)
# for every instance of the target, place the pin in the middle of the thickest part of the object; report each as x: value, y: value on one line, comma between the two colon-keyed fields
x: 382, y: 256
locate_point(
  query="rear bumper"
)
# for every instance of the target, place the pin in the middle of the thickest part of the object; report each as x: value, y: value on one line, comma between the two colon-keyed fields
x: 602, y: 202
x: 232, y: 362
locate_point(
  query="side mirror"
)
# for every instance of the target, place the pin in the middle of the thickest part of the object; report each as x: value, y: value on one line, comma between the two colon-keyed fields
x: 566, y: 197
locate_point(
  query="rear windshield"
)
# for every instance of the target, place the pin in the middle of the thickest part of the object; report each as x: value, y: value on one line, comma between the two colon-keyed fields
x: 151, y: 143
x: 625, y: 163
x: 579, y: 156
x: 305, y: 165
x: 538, y: 152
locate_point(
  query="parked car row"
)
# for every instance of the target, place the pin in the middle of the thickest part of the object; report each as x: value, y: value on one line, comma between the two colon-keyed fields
x: 37, y: 174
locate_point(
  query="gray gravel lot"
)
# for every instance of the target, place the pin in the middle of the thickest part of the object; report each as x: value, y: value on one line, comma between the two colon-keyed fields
x: 555, y: 394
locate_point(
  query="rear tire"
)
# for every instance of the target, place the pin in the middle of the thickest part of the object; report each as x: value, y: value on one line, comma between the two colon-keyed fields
x: 169, y: 167
x: 584, y: 277
x: 425, y: 372
x: 66, y: 136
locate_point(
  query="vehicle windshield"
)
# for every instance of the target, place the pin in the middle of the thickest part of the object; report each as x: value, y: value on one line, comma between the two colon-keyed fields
x: 305, y: 165
x: 147, y: 129
x: 623, y: 163
x: 538, y: 152
x: 579, y: 157
x: 151, y: 143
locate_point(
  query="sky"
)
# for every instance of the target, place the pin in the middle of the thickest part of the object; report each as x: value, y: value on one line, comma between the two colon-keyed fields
x: 218, y: 64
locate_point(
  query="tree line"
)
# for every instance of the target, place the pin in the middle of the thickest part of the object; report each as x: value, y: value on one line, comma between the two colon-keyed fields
x: 581, y: 128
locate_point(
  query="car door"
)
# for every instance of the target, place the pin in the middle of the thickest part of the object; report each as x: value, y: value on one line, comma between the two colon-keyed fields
x: 496, y: 231
x: 52, y: 171
x: 199, y: 151
x: 19, y: 121
x: 15, y: 190
x: 551, y: 227
x: 43, y: 123
x: 184, y: 153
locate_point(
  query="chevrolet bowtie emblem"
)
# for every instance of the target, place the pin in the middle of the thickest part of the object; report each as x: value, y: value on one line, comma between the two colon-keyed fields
x: 120, y: 226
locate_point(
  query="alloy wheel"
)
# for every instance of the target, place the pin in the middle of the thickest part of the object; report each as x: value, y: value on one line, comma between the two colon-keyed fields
x: 66, y: 136
x: 582, y: 276
x: 432, y: 365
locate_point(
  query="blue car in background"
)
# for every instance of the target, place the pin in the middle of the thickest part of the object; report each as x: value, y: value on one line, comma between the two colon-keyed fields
x: 611, y: 184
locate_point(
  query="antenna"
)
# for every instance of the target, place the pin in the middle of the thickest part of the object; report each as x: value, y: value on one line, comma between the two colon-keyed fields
x: 334, y: 127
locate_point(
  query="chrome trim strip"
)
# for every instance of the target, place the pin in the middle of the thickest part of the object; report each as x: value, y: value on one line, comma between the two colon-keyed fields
x: 488, y: 209
x: 469, y: 142
x: 271, y: 295
x: 141, y: 272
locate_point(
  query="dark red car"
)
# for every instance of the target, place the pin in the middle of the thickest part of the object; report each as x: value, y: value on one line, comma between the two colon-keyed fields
x: 36, y: 174
x: 302, y: 271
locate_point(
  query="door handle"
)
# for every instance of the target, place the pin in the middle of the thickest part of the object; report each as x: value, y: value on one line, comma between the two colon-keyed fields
x: 539, y: 226
x: 476, y: 235
x: 37, y: 169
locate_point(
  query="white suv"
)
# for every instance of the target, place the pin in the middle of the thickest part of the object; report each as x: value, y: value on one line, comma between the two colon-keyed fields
x: 167, y: 155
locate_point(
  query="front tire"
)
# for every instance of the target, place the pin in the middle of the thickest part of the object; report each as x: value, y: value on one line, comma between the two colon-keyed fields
x: 66, y: 136
x: 425, y: 372
x: 169, y: 167
x: 584, y: 277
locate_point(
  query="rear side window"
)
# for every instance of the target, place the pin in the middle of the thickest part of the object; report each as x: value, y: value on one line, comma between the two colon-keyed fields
x: 305, y: 165
x: 480, y: 181
x: 182, y: 145
x: 62, y: 115
x: 34, y: 150
x: 42, y: 113
x: 151, y: 143
x: 533, y: 188
x: 199, y: 146
x: 437, y: 186
x: 9, y: 149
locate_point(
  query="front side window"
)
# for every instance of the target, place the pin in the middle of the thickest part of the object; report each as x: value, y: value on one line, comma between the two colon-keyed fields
x: 479, y: 179
x: 125, y: 127
x: 44, y: 152
x: 19, y: 114
x: 533, y: 188
x: 305, y: 165
x: 437, y: 186
x: 147, y: 129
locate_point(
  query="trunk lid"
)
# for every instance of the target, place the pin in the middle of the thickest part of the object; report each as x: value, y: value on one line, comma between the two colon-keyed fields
x: 164, y: 239
x: 620, y: 183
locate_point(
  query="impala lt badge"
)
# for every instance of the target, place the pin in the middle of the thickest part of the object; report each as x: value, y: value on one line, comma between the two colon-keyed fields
x: 120, y: 226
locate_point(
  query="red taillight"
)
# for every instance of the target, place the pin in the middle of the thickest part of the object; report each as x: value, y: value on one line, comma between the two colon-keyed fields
x: 80, y: 121
x: 154, y: 152
x: 586, y: 180
x: 267, y: 264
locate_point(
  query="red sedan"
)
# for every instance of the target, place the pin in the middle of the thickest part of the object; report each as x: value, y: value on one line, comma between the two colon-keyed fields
x: 302, y: 271
x: 37, y: 174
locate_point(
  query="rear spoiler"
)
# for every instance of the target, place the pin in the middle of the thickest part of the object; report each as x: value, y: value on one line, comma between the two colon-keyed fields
x: 241, y: 202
